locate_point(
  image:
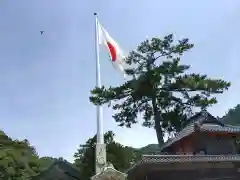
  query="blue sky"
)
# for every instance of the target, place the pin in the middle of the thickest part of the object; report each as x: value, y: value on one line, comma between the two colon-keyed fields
x: 45, y: 80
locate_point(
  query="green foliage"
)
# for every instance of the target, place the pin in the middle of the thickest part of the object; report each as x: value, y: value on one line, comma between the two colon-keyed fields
x: 46, y: 162
x: 18, y: 160
x: 120, y: 156
x: 232, y: 117
x: 150, y: 149
x: 160, y: 88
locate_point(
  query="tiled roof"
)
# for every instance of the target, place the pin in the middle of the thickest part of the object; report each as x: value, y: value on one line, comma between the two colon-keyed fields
x: 225, y: 128
x: 109, y: 172
x: 166, y: 159
x: 204, y: 122
x: 183, y: 133
x: 61, y: 168
x: 188, y: 158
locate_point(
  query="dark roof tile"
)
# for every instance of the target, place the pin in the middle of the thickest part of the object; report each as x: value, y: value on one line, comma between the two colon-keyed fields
x: 61, y: 168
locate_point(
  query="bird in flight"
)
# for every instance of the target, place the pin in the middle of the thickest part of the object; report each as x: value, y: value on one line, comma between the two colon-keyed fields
x: 41, y: 32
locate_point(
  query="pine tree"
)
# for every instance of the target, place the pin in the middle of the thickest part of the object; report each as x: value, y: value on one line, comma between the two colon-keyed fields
x: 160, y: 88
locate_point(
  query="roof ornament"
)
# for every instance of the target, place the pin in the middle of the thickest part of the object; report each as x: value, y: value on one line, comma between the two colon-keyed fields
x: 204, y: 113
x: 197, y: 126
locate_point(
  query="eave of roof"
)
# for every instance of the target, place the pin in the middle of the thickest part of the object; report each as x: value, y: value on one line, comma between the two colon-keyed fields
x: 187, y: 158
x: 168, y: 159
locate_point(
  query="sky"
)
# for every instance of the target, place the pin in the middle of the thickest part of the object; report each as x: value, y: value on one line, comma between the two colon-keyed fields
x: 45, y: 81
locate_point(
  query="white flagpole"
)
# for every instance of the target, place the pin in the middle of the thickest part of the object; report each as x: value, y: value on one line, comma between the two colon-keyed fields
x: 100, y: 146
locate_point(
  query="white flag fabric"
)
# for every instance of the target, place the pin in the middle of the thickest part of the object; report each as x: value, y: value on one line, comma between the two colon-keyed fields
x: 115, y: 52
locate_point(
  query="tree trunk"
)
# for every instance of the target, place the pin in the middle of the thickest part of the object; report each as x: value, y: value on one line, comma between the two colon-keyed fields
x: 157, y: 120
x: 157, y: 114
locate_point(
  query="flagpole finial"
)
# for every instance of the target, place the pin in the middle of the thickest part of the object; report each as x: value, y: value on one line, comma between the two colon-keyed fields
x: 95, y: 14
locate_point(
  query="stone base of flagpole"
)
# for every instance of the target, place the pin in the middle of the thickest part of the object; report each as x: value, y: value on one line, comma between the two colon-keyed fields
x: 109, y: 173
x: 101, y: 158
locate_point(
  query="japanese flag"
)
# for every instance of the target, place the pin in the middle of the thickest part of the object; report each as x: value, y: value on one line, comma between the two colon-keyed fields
x: 115, y: 52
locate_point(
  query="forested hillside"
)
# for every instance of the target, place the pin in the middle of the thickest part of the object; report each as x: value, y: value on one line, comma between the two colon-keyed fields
x: 150, y: 149
x: 19, y: 160
x: 233, y: 116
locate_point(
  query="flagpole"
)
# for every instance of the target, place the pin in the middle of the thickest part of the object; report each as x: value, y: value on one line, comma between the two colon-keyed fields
x: 100, y: 146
